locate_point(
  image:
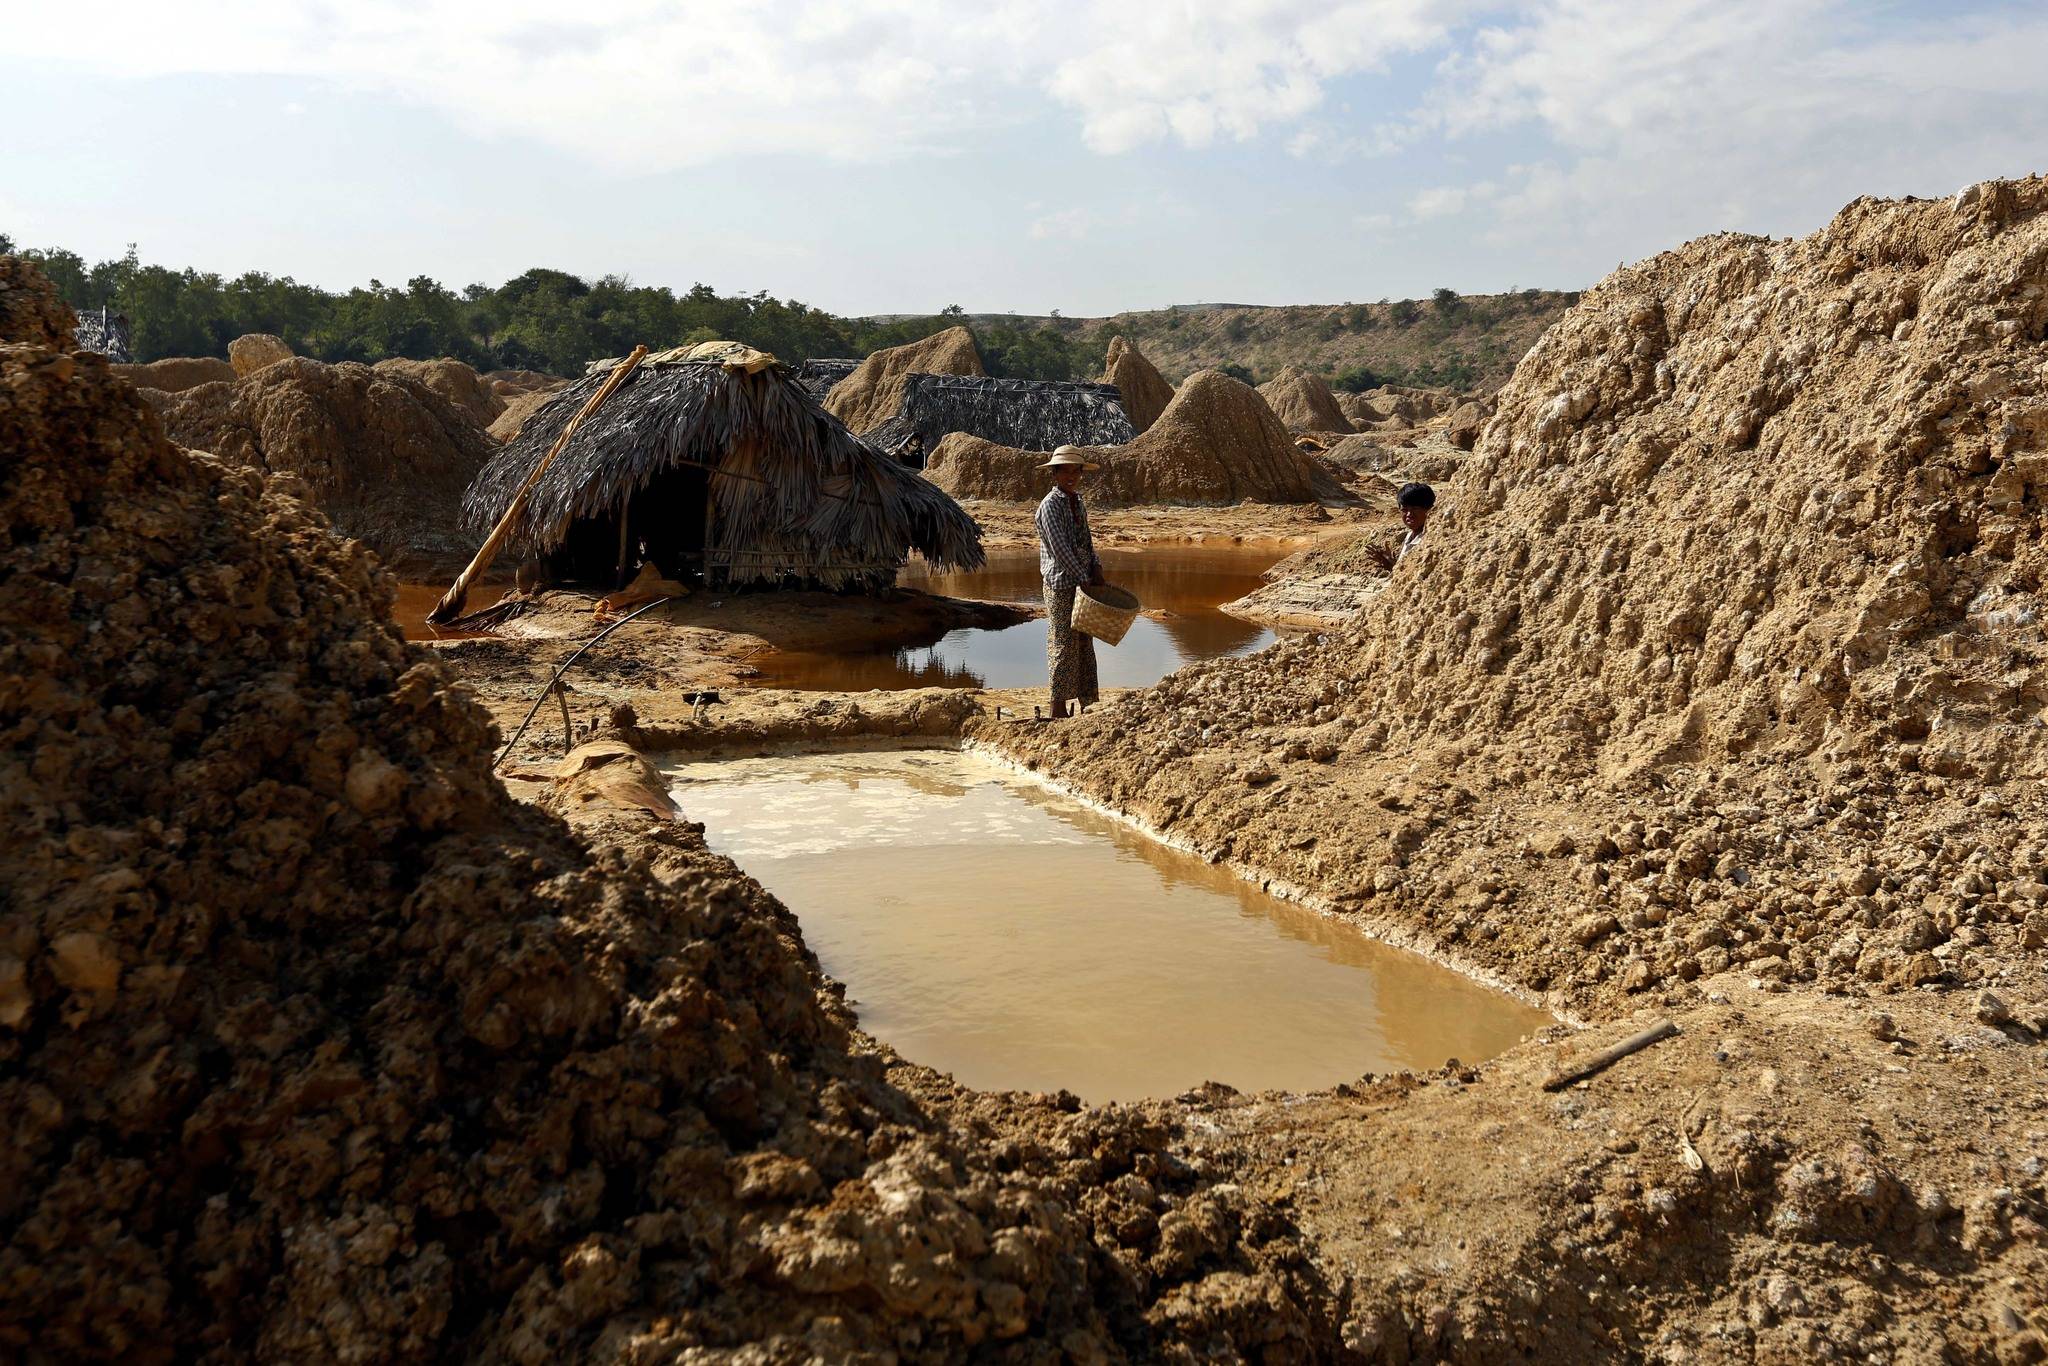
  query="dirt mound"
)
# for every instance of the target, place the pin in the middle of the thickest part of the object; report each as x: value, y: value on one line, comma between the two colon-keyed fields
x: 519, y: 408
x: 381, y: 453
x: 1303, y: 402
x: 1396, y: 406
x: 1145, y: 391
x: 506, y: 381
x: 1725, y: 647
x: 1217, y: 442
x: 454, y: 381
x: 873, y: 393
x: 318, y: 1046
x: 248, y: 354
x: 175, y: 374
x: 30, y: 309
x: 1462, y: 428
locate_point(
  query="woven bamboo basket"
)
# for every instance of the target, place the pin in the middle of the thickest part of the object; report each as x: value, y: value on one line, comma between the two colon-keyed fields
x: 1104, y: 611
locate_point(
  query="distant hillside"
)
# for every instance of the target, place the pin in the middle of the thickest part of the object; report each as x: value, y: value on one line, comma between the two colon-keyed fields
x: 1462, y: 342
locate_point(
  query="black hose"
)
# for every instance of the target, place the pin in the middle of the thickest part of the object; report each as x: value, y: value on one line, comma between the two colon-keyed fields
x: 535, y: 708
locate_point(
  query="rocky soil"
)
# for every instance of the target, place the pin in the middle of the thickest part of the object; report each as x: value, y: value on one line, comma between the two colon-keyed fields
x: 1303, y: 402
x: 1724, y: 656
x: 318, y: 1046
x: 379, y: 450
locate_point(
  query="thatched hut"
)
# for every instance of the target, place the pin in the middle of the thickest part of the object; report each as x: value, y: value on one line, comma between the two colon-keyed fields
x: 820, y: 373
x: 712, y: 460
x: 1038, y: 415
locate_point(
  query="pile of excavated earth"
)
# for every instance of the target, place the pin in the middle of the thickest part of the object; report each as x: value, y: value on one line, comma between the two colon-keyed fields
x: 381, y: 450
x: 1144, y: 390
x: 1216, y: 443
x: 1722, y: 673
x: 873, y: 393
x: 1739, y: 603
x: 315, y: 1045
x: 1303, y: 402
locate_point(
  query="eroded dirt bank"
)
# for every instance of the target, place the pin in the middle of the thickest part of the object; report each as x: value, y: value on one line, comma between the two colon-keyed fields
x: 1723, y: 676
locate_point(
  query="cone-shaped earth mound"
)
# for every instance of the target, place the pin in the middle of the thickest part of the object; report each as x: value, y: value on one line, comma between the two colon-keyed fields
x: 1217, y: 442
x: 1303, y: 402
x: 873, y: 393
x: 1145, y: 391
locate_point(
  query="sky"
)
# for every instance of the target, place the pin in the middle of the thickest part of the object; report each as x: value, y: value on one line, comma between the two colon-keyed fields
x: 898, y: 156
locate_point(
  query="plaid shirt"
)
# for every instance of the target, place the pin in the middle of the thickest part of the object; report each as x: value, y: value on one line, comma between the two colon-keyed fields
x: 1066, y: 552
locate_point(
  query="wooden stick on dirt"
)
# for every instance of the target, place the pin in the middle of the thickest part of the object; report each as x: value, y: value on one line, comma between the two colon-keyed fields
x: 568, y: 730
x: 450, y: 606
x: 1607, y: 1057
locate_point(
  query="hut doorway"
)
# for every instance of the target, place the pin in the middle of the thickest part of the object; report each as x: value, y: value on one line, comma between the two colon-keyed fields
x: 666, y: 522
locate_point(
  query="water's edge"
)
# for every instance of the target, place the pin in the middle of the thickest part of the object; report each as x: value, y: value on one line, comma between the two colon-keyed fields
x: 1385, y: 929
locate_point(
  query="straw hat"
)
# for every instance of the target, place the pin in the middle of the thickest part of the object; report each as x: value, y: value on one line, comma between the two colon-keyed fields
x: 1069, y: 456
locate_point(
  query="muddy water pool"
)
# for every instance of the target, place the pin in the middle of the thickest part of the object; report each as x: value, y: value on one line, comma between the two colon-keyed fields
x: 993, y: 928
x: 1180, y: 587
x: 415, y: 600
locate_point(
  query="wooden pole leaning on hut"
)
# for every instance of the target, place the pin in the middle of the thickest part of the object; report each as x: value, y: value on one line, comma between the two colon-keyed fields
x: 450, y: 605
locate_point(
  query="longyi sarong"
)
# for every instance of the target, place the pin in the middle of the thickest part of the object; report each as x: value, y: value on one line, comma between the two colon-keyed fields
x: 1069, y: 654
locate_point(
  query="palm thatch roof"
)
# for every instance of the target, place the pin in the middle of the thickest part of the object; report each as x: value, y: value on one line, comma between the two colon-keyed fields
x: 820, y: 373
x: 106, y: 332
x: 794, y: 495
x: 1035, y: 415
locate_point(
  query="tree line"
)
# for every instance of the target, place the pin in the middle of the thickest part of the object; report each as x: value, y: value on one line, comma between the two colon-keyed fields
x: 541, y: 319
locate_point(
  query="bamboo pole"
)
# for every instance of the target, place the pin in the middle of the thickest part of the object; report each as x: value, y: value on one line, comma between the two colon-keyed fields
x: 450, y: 606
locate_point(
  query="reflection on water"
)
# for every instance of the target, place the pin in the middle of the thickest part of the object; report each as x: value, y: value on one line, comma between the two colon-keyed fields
x: 997, y: 930
x: 415, y: 600
x: 1180, y: 588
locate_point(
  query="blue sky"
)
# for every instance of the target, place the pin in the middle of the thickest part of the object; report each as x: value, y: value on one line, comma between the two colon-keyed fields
x: 900, y: 155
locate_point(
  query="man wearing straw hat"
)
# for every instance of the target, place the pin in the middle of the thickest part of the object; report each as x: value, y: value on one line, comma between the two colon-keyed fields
x: 1066, y: 560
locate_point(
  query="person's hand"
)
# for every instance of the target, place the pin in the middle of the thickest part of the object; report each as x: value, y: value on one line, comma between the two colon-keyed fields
x: 1382, y: 554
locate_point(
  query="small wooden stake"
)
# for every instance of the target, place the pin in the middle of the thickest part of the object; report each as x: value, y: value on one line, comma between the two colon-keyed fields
x: 568, y: 735
x: 1607, y: 1057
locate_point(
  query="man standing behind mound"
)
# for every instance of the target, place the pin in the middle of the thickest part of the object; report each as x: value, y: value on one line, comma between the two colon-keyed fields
x: 1066, y: 560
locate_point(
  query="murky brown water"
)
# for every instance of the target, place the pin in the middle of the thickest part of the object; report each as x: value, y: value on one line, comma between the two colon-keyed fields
x: 415, y: 600
x: 990, y: 927
x: 1180, y: 588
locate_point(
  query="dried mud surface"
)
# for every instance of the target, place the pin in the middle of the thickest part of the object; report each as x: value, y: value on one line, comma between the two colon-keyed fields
x: 318, y: 1046
x: 378, y: 450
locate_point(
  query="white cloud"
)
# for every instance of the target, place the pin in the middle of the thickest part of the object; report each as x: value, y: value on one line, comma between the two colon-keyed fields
x: 1207, y: 70
x: 652, y: 85
x: 1672, y: 119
